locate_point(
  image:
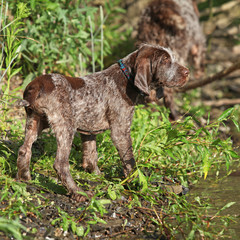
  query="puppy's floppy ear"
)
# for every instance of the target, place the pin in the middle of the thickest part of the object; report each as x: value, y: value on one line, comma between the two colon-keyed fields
x: 143, y: 75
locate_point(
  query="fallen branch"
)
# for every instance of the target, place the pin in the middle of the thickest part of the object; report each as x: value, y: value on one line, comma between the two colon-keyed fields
x: 205, y: 81
x: 222, y: 102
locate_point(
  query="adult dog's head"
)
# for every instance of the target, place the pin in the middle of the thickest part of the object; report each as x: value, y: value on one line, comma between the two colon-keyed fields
x: 155, y: 66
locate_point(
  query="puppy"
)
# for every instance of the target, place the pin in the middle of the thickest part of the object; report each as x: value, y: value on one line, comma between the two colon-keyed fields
x: 93, y: 104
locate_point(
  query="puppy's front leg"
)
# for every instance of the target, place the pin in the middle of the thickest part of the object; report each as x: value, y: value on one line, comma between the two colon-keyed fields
x: 122, y: 141
x: 64, y: 137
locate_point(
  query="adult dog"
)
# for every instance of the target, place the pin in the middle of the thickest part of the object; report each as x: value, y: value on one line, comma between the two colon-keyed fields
x: 174, y: 24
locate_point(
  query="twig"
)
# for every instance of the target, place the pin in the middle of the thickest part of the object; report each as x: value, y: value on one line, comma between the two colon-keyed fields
x: 121, y: 232
x: 159, y: 219
x: 152, y: 210
x: 222, y: 102
x: 205, y: 81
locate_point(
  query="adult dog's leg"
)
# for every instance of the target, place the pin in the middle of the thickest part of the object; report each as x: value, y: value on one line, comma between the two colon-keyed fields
x: 89, y: 151
x: 169, y: 103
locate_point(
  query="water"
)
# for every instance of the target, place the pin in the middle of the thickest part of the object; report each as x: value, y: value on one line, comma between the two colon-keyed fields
x: 220, y: 193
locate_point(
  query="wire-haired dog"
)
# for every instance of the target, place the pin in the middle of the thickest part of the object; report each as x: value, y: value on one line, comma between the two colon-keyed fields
x: 92, y: 104
x: 174, y: 24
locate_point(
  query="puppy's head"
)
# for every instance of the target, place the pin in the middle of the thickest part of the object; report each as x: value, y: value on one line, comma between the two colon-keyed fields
x: 156, y: 66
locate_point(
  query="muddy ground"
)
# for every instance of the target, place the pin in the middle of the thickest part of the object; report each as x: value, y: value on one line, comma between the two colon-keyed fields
x: 122, y: 221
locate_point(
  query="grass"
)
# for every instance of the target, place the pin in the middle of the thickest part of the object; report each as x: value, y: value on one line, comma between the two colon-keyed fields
x: 179, y: 151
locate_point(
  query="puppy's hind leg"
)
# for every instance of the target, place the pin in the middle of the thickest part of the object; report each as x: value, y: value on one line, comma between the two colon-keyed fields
x: 34, y: 126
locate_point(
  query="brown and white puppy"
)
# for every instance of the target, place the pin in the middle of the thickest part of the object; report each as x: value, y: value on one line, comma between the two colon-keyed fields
x: 174, y: 24
x: 92, y: 104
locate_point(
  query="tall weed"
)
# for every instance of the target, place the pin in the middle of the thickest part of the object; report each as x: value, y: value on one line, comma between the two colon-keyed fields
x: 11, y: 45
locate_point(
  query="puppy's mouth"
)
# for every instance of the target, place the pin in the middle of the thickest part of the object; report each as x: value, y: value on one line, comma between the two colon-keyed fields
x: 177, y: 83
x: 184, y: 81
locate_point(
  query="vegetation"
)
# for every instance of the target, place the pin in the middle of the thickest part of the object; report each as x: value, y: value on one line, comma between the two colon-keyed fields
x: 167, y: 153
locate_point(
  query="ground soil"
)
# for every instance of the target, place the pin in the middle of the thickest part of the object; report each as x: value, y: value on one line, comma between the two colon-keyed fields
x: 122, y: 221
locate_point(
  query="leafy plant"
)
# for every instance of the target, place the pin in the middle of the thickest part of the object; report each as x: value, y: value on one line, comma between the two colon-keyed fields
x: 11, y: 45
x: 17, y: 197
x: 67, y: 222
x: 68, y: 37
x: 180, y: 152
x: 86, y: 213
x: 11, y: 227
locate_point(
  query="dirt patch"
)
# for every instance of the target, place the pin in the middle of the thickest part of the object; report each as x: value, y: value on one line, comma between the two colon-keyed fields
x: 121, y: 220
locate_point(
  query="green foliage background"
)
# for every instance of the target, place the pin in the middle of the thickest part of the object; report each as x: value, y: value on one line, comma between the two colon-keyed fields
x: 69, y: 37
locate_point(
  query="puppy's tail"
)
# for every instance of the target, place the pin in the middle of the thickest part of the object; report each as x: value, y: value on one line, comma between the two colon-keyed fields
x: 23, y: 103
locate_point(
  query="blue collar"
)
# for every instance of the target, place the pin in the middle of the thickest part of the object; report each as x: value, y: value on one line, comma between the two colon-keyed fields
x: 125, y: 71
x: 128, y: 75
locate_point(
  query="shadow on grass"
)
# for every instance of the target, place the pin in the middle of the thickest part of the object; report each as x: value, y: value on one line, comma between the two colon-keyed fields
x: 48, y: 184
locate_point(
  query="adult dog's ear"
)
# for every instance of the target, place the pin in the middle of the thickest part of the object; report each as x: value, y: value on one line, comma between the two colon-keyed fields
x: 143, y: 75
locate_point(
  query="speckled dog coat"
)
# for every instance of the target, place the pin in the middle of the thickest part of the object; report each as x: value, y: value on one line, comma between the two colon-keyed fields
x: 92, y: 104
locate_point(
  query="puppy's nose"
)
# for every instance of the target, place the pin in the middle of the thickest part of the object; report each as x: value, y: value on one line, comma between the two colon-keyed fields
x: 186, y: 72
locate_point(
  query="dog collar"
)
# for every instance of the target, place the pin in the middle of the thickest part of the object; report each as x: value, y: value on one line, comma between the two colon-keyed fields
x: 128, y: 76
x: 125, y: 71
